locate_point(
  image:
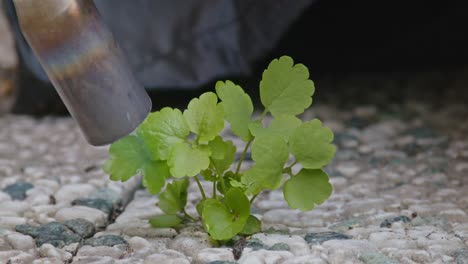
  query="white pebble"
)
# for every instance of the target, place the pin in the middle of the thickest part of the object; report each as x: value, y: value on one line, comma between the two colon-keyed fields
x: 264, y: 256
x: 98, y: 217
x: 20, y: 242
x: 70, y: 192
x: 100, y: 251
x: 212, y: 254
x: 47, y: 250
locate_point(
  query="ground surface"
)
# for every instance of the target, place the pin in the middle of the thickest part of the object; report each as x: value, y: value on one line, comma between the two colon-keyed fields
x: 400, y: 196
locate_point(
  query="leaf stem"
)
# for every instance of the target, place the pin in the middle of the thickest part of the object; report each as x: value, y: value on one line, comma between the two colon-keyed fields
x: 253, y: 198
x: 214, y: 188
x: 189, y: 217
x: 243, y: 156
x: 200, y: 187
x: 265, y: 112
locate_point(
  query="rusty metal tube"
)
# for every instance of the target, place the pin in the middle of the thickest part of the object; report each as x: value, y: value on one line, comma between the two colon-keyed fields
x: 85, y: 65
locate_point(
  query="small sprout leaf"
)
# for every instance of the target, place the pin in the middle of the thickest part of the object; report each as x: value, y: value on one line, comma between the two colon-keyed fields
x: 285, y: 88
x: 238, y: 108
x: 311, y: 144
x: 173, y: 199
x: 225, y: 220
x: 188, y: 161
x: 205, y: 117
x: 307, y: 189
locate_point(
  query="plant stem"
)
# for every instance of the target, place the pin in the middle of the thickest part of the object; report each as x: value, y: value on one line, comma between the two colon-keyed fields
x: 243, y: 156
x: 189, y: 217
x: 253, y: 198
x: 200, y: 187
x: 214, y: 189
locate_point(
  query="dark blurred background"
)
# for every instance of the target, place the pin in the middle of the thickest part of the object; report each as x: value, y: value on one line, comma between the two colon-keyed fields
x: 358, y: 52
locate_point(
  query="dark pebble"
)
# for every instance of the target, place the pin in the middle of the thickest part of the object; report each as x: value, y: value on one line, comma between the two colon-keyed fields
x: 56, y: 234
x: 99, y: 204
x: 107, y: 240
x: 17, y: 191
x: 82, y: 227
x: 319, y: 238
x: 390, y: 221
x: 256, y: 244
x: 280, y: 247
x: 461, y: 256
x: 28, y: 230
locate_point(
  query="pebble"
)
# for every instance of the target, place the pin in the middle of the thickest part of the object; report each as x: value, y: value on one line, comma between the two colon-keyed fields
x: 319, y: 238
x: 20, y: 241
x: 70, y: 192
x: 92, y: 215
x: 56, y: 234
x: 93, y: 260
x: 47, y: 250
x: 310, y: 259
x: 191, y: 244
x: 376, y: 258
x: 47, y: 261
x: 296, y: 244
x: 20, y: 258
x: 389, y: 222
x: 265, y: 256
x: 101, y: 251
x: 162, y: 258
x: 213, y: 254
x: 11, y: 222
x: 17, y: 191
x: 106, y: 240
x: 82, y: 227
x: 391, y: 240
x: 99, y: 204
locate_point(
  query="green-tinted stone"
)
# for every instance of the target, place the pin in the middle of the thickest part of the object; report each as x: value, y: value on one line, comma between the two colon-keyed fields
x: 376, y: 258
x: 56, y: 234
x: 28, y: 230
x: 319, y: 238
x: 17, y: 191
x: 82, y: 227
x: 100, y: 204
x: 256, y: 244
x: 107, y: 240
x: 280, y: 247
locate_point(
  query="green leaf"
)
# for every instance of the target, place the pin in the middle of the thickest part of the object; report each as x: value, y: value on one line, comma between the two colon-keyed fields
x: 270, y: 150
x: 187, y: 161
x: 155, y: 175
x: 130, y: 156
x: 173, y: 199
x: 270, y: 153
x: 307, y: 189
x: 252, y: 226
x: 285, y: 88
x: 311, y: 144
x: 238, y: 108
x: 224, y: 220
x: 208, y: 175
x: 205, y: 117
x: 282, y: 126
x: 127, y: 157
x: 259, y: 177
x: 223, y: 154
x: 165, y: 221
x: 162, y: 130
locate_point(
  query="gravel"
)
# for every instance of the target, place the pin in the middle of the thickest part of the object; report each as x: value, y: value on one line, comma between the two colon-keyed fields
x: 399, y: 180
